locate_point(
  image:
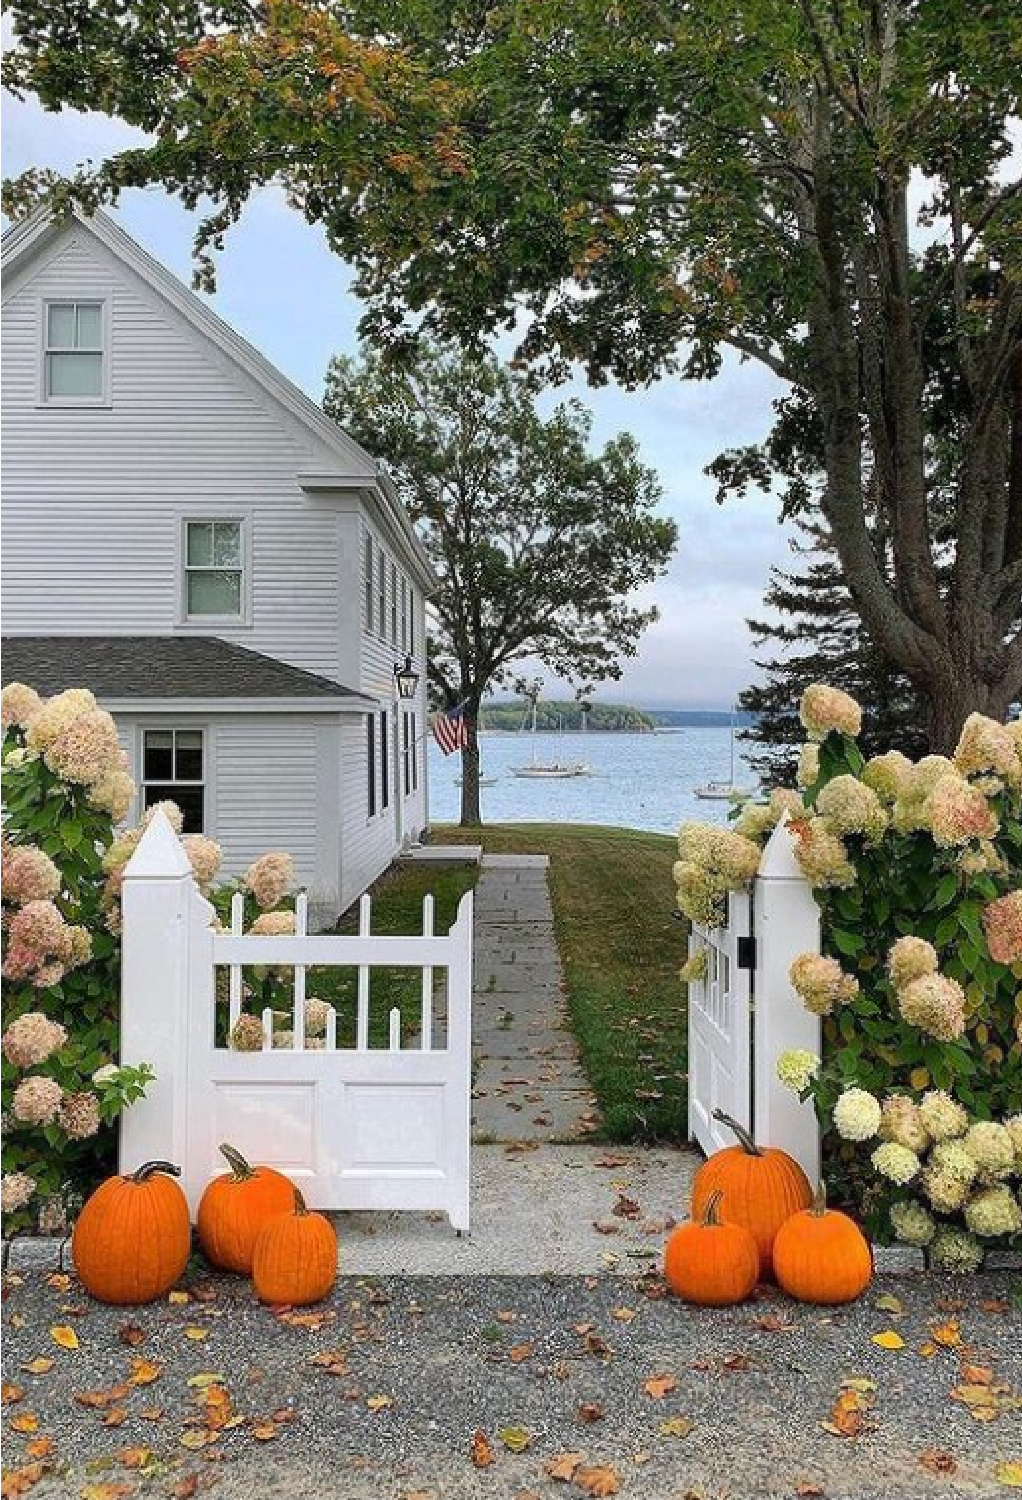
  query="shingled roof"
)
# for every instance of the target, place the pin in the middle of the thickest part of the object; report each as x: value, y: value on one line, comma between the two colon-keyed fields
x: 117, y: 667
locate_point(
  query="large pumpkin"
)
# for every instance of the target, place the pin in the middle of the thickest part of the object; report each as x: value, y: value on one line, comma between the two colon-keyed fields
x: 762, y: 1188
x: 234, y: 1208
x: 709, y: 1262
x: 295, y: 1259
x: 821, y: 1255
x: 133, y: 1237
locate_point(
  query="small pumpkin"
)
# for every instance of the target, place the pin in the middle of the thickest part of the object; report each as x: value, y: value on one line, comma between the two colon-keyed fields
x: 762, y: 1186
x: 821, y: 1255
x: 234, y: 1208
x: 295, y: 1259
x: 710, y: 1262
x: 134, y: 1236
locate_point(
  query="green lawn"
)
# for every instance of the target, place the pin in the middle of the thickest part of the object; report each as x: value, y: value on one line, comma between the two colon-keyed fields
x: 613, y: 897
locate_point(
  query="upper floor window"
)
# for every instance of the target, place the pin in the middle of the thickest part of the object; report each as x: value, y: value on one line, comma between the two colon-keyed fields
x: 411, y: 619
x: 404, y: 613
x: 369, y: 580
x: 73, y: 352
x: 393, y: 604
x: 381, y: 626
x: 214, y: 569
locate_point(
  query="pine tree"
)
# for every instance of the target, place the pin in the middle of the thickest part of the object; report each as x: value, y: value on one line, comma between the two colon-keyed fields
x: 818, y: 636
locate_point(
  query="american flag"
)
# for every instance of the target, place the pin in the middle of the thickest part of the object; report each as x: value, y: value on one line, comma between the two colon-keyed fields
x: 450, y: 730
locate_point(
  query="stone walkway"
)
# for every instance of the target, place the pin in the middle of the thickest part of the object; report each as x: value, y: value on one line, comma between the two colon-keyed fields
x: 529, y: 1084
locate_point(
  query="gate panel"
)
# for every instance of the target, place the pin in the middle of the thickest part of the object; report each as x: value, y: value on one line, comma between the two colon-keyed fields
x: 720, y: 1029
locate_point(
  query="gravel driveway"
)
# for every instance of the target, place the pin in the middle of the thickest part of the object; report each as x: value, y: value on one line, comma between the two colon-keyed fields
x: 382, y: 1391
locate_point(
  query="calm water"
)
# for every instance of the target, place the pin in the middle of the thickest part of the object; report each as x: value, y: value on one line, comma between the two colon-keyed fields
x: 638, y: 780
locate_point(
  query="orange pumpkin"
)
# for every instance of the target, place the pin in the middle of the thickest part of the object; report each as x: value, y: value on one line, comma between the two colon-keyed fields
x: 821, y: 1255
x: 234, y: 1208
x: 762, y: 1188
x: 134, y: 1236
x: 295, y: 1259
x: 711, y: 1263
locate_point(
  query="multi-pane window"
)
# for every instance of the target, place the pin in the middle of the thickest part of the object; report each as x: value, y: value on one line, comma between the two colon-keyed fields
x: 384, y: 761
x: 393, y: 604
x: 369, y: 580
x: 173, y: 770
x: 73, y: 351
x: 411, y: 619
x: 214, y: 569
x: 415, y: 753
x: 407, y: 751
x: 404, y: 613
x: 371, y: 763
x: 381, y: 584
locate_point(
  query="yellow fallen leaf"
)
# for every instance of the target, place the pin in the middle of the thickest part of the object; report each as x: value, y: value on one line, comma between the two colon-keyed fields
x: 379, y: 1403
x: 264, y: 1431
x: 678, y: 1427
x: 144, y: 1371
x: 196, y: 1334
x: 27, y: 1421
x: 40, y: 1447
x: 888, y: 1302
x: 1010, y: 1473
x: 106, y: 1489
x: 65, y: 1336
x: 205, y: 1378
x: 515, y: 1439
x: 196, y: 1437
x: 178, y: 1298
x: 888, y: 1339
x: 39, y: 1366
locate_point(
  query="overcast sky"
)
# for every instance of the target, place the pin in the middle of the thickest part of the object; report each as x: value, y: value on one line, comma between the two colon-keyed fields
x: 281, y: 288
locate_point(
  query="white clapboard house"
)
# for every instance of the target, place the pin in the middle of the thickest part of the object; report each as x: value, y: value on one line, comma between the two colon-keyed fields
x: 186, y: 533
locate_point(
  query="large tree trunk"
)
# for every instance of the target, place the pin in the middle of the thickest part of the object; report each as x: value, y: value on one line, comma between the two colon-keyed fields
x: 471, y: 814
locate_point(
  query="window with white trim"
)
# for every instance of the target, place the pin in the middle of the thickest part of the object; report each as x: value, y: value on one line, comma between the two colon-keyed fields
x: 173, y: 770
x: 214, y: 570
x: 404, y: 613
x: 411, y: 619
x: 393, y: 604
x: 368, y: 566
x: 73, y: 352
x: 371, y: 763
x: 381, y: 613
x: 384, y: 761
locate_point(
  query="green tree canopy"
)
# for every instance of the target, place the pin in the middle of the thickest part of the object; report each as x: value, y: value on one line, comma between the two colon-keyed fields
x: 639, y: 187
x: 539, y: 543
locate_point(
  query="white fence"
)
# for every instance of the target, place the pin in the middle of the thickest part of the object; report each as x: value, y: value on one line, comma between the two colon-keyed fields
x: 745, y: 1013
x: 356, y: 1126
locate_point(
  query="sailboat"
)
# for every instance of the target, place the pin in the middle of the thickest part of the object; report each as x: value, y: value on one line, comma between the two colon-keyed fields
x: 724, y: 791
x: 555, y: 770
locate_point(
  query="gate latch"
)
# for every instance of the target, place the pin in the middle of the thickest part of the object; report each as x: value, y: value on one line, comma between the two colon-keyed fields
x: 747, y: 952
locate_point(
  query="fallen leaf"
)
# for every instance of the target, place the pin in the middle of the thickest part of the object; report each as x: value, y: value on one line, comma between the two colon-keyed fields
x: 481, y: 1450
x: 888, y: 1302
x: 948, y: 1335
x: 40, y: 1447
x: 521, y: 1352
x: 185, y: 1488
x: 144, y: 1371
x: 379, y: 1403
x: 807, y: 1489
x: 195, y: 1438
x: 10, y: 1393
x: 196, y: 1334
x: 625, y: 1208
x: 562, y: 1466
x: 515, y: 1439
x: 206, y: 1378
x: 135, y: 1458
x: 936, y: 1461
x: 333, y: 1361
x: 41, y: 1365
x: 623, y: 1314
x: 65, y: 1336
x: 590, y: 1411
x: 678, y: 1427
x: 1010, y: 1473
x: 598, y: 1480
x: 888, y: 1339
x: 178, y: 1298
x: 264, y: 1431
x: 659, y: 1386
x: 19, y: 1481
x: 115, y: 1416
x: 96, y: 1400
x: 25, y: 1421
x: 59, y: 1281
x: 106, y: 1489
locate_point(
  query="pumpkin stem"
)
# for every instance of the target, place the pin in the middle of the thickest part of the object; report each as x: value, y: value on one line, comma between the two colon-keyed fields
x: 818, y: 1207
x: 240, y: 1168
x: 711, y: 1213
x: 745, y: 1140
x: 301, y: 1207
x: 150, y: 1168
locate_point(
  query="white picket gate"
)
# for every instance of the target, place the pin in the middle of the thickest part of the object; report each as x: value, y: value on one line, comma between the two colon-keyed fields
x: 745, y: 1012
x: 356, y: 1127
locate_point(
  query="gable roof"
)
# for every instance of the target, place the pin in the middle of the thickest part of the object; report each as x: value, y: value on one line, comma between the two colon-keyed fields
x: 355, y: 467
x: 166, y: 670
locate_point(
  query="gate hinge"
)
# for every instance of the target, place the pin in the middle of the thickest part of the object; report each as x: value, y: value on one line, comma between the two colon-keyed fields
x: 747, y: 952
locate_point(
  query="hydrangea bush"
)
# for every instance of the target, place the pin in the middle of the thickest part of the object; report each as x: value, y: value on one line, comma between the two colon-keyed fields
x: 65, y: 787
x: 917, y: 868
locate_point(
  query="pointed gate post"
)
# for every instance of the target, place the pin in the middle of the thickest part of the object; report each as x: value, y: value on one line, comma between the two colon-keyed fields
x: 787, y: 923
x: 166, y: 946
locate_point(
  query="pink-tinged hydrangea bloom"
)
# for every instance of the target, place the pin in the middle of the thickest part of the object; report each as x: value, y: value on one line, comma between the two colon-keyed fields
x: 926, y: 774
x: 821, y: 983
x: 1002, y: 923
x: 822, y: 857
x: 31, y: 1039
x: 808, y: 772
x: 274, y: 924
x: 988, y: 748
x: 18, y: 704
x: 79, y: 1116
x: 112, y: 794
x: 204, y: 856
x: 910, y: 958
x: 888, y: 775
x: 28, y: 875
x: 246, y: 1034
x: 848, y: 806
x: 171, y: 811
x: 936, y: 1004
x: 16, y: 1190
x: 901, y: 1121
x: 269, y: 879
x: 87, y: 750
x: 41, y: 945
x: 959, y: 813
x: 37, y: 1101
x: 56, y: 715
x: 826, y: 710
x: 983, y: 858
